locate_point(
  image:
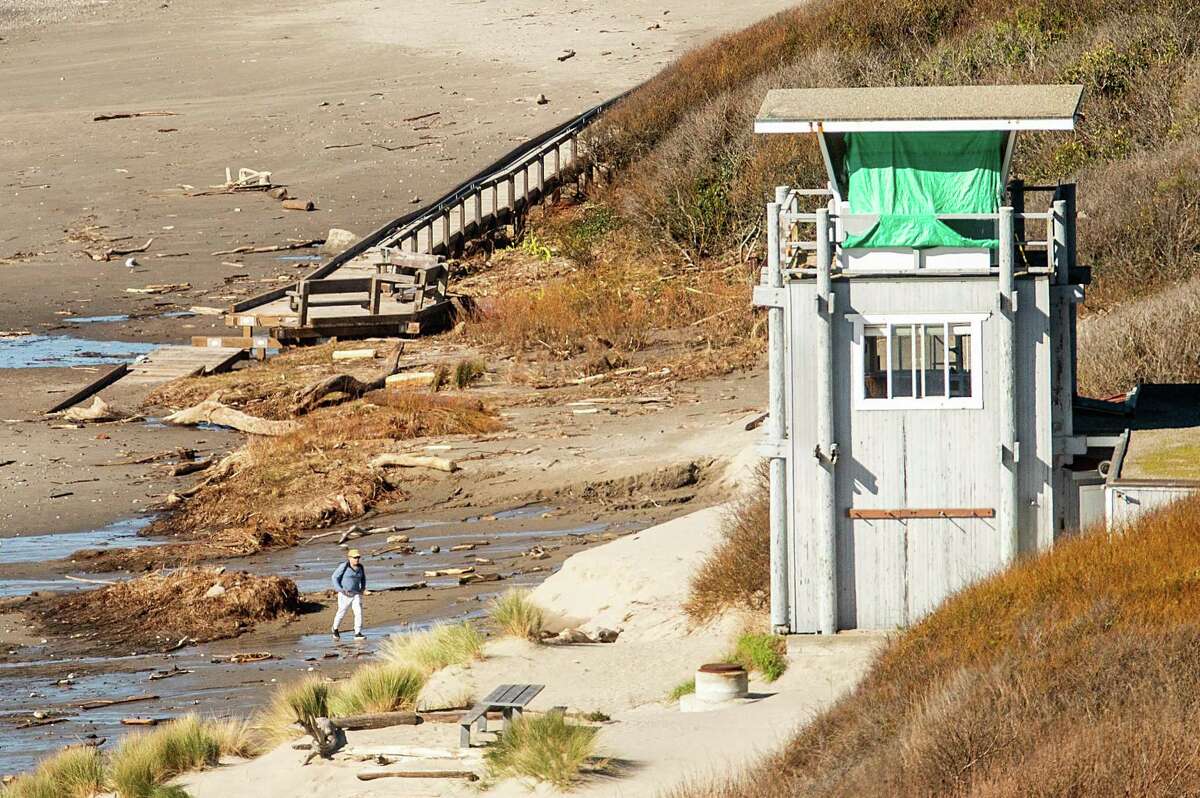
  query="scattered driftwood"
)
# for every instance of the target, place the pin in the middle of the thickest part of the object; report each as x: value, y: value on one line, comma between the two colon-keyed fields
x: 607, y: 375
x: 104, y: 255
x: 185, y: 468
x: 131, y: 115
x: 328, y: 737
x: 755, y: 421
x: 212, y: 411
x: 101, y: 703
x: 251, y: 250
x: 182, y: 453
x: 399, y: 588
x: 353, y: 354
x: 228, y: 465
x: 378, y: 720
x: 29, y: 724
x: 419, y: 117
x: 298, y: 205
x: 371, y: 775
x: 350, y: 387
x: 98, y: 410
x: 470, y: 569
x: 413, y: 461
x: 138, y: 721
x: 246, y: 657
x: 89, y: 581
x: 364, y: 753
x: 474, y: 579
x: 160, y: 288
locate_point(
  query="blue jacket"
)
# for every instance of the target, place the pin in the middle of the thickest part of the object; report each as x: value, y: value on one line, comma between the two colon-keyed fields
x: 347, y: 579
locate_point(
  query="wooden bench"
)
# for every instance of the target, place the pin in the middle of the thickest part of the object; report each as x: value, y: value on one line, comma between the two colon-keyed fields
x: 508, y: 698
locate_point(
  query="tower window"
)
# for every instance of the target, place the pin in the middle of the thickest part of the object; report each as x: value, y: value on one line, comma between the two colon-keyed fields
x: 918, y: 361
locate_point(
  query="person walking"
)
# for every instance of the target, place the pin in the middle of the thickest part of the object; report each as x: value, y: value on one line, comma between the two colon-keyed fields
x: 350, y: 581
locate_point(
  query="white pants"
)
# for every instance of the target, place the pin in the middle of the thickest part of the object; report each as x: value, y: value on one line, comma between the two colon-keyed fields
x: 344, y: 602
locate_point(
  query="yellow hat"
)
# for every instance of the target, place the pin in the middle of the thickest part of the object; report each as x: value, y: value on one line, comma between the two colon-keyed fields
x: 353, y: 553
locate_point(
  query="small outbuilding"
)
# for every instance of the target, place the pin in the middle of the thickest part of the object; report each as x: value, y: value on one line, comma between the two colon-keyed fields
x: 922, y: 351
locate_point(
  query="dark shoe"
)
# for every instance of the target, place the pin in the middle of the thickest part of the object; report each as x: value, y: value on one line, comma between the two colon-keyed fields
x: 359, y: 636
x: 337, y: 635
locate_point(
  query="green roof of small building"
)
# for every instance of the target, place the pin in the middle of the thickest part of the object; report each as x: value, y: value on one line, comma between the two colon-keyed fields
x: 920, y: 108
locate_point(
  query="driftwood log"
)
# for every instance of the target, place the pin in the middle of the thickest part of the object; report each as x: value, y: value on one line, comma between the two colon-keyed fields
x: 213, y: 412
x: 350, y: 387
x: 413, y: 461
x: 377, y: 720
x: 371, y: 775
x: 328, y: 737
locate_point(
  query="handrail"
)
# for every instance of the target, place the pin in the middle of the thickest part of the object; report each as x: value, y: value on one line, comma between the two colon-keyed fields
x: 503, y: 169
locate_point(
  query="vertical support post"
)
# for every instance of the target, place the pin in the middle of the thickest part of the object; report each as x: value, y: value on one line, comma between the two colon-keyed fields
x: 303, y: 304
x: 462, y: 226
x: 826, y: 575
x: 413, y: 246
x: 478, y: 210
x: 1006, y: 368
x: 1016, y: 193
x: 445, y: 232
x: 781, y: 620
x: 541, y: 175
x: 512, y: 194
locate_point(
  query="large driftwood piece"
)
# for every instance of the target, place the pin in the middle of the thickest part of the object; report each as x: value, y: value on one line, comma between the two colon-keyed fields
x: 378, y: 720
x: 348, y: 386
x: 413, y: 461
x: 371, y: 775
x: 213, y: 412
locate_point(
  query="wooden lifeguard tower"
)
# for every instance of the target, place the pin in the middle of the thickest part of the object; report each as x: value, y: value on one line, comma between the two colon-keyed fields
x: 922, y: 351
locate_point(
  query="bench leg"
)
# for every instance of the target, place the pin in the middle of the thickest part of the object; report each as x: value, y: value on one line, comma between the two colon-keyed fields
x: 508, y: 716
x: 464, y: 736
x: 481, y: 724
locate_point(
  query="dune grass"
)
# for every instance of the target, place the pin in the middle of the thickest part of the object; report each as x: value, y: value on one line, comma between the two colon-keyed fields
x: 1076, y: 672
x: 544, y: 748
x: 297, y: 704
x: 736, y: 575
x: 382, y: 687
x: 433, y: 649
x: 143, y: 762
x: 515, y: 615
x: 76, y: 772
x: 236, y: 737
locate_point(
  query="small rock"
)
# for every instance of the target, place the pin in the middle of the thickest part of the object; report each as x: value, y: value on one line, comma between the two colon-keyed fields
x: 337, y: 240
x: 414, y: 200
x: 434, y: 549
x: 216, y: 591
x: 541, y: 99
x: 39, y: 715
x: 573, y: 636
x: 603, y: 635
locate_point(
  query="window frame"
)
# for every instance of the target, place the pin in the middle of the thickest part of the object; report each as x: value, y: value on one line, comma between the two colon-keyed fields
x: 889, y: 320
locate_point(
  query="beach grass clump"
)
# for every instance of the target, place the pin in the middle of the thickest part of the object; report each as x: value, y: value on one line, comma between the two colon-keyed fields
x: 761, y: 653
x: 76, y: 772
x: 515, y: 615
x: 299, y: 703
x: 236, y: 737
x: 382, y: 687
x: 544, y: 748
x: 432, y: 649
x: 686, y: 687
x: 142, y: 763
x: 736, y: 575
x: 467, y: 372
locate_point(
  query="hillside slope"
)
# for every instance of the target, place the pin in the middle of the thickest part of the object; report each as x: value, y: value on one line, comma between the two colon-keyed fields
x: 692, y: 177
x: 1075, y: 673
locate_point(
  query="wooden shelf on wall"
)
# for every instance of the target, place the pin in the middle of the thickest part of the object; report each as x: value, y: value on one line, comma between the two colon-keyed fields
x: 936, y: 512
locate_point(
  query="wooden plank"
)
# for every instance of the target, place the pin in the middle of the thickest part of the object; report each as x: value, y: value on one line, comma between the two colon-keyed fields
x: 942, y: 512
x: 95, y: 386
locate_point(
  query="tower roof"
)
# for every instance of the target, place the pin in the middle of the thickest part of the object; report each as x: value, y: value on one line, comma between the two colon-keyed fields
x: 920, y: 109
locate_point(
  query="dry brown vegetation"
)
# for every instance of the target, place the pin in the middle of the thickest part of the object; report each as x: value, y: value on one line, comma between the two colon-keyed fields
x: 737, y: 574
x: 692, y: 176
x: 318, y: 474
x: 1073, y: 673
x: 159, y: 609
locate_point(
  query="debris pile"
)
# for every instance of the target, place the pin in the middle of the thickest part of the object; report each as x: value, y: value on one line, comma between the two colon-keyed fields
x: 167, y: 610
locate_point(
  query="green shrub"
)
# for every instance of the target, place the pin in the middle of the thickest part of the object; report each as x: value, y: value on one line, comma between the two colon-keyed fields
x: 545, y: 748
x: 766, y: 654
x: 468, y: 372
x: 383, y: 687
x: 434, y: 649
x: 515, y: 615
x: 686, y: 687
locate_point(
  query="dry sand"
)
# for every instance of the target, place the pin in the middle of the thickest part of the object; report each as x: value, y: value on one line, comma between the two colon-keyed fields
x: 652, y: 744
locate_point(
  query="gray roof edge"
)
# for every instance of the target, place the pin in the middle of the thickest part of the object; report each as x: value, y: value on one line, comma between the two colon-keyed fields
x: 922, y: 104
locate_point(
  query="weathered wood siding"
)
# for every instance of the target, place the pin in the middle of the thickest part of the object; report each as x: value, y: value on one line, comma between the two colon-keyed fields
x: 891, y: 572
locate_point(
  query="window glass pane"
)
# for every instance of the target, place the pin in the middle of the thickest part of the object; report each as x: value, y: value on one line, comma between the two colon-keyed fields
x: 875, y: 362
x: 960, y: 361
x: 933, y: 352
x: 902, y: 361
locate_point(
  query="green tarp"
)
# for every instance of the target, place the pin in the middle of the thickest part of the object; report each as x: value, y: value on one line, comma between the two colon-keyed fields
x: 908, y: 178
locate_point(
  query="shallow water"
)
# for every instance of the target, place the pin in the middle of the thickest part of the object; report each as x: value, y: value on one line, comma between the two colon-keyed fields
x: 121, y: 534
x: 46, y: 351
